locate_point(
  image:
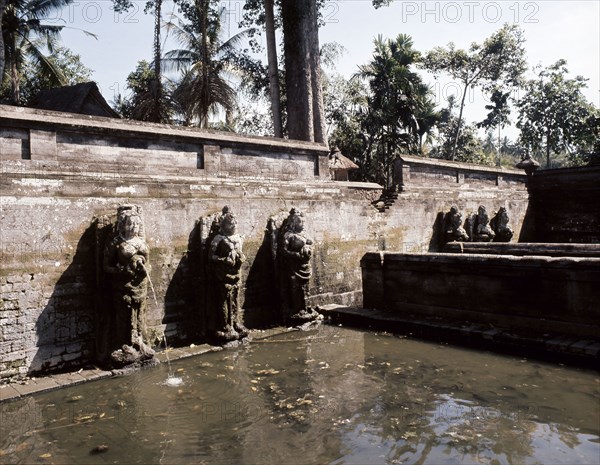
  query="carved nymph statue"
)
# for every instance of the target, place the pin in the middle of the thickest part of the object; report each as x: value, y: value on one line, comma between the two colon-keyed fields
x: 454, y: 231
x: 294, y: 252
x: 500, y: 226
x: 225, y: 258
x: 125, y: 262
x: 483, y: 231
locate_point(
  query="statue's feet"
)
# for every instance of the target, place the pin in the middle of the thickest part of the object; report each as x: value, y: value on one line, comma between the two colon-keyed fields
x: 305, y: 316
x: 137, y: 353
x: 228, y: 335
x: 241, y: 329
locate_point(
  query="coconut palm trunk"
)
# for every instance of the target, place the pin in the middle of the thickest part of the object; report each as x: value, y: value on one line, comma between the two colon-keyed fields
x: 2, y: 55
x: 205, y: 65
x: 158, y: 87
x: 273, y: 69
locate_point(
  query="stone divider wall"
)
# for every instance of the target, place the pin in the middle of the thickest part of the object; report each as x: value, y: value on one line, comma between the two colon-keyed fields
x: 60, y: 172
x: 558, y: 295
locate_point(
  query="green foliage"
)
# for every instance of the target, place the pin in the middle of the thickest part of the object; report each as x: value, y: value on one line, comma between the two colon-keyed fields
x: 554, y: 117
x: 28, y: 41
x: 140, y: 103
x: 33, y: 78
x: 208, y: 63
x: 499, y: 110
x: 345, y: 106
x: 396, y: 95
x: 498, y: 63
x: 468, y: 146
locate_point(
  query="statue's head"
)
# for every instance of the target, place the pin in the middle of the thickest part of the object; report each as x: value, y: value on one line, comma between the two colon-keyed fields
x: 482, y: 214
x: 454, y: 213
x: 129, y: 222
x: 503, y: 216
x: 228, y: 223
x: 296, y: 221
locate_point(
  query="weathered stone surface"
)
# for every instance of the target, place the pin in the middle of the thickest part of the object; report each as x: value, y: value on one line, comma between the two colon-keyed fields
x: 559, y: 295
x: 48, y: 242
x: 526, y: 248
x: 564, y: 205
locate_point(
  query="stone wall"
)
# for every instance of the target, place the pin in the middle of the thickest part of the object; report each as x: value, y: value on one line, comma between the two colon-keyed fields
x: 427, y: 188
x: 61, y: 172
x: 545, y: 294
x: 565, y: 205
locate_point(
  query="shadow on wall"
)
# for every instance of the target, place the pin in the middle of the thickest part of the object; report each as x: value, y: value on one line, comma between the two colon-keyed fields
x: 436, y: 243
x: 185, y: 299
x: 65, y: 328
x: 528, y: 233
x: 261, y: 295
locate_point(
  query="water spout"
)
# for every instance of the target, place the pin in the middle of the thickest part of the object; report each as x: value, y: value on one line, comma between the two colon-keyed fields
x: 172, y: 380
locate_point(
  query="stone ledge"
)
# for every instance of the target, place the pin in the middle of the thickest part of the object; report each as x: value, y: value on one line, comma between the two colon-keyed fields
x: 550, y: 347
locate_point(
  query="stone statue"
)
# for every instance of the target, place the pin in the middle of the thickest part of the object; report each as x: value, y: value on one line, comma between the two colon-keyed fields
x: 294, y: 252
x: 125, y: 261
x: 483, y: 231
x: 225, y: 258
x: 454, y: 232
x: 499, y: 224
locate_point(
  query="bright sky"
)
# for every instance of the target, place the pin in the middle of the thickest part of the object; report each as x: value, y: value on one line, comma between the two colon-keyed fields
x: 553, y: 30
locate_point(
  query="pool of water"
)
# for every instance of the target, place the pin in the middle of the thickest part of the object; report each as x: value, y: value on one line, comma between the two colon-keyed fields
x: 332, y: 395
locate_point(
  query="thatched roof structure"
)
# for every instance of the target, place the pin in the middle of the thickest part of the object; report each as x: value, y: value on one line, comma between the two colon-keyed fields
x: 337, y: 161
x: 84, y: 99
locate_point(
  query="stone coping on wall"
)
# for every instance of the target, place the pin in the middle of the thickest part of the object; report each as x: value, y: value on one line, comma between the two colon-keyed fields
x: 30, y: 116
x: 525, y: 248
x: 440, y: 163
x: 539, y: 261
x: 419, y: 173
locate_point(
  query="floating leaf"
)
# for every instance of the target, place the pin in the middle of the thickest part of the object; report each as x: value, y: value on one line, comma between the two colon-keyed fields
x: 270, y: 371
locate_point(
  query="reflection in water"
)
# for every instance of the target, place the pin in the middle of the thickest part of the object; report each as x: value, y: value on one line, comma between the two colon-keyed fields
x: 332, y: 395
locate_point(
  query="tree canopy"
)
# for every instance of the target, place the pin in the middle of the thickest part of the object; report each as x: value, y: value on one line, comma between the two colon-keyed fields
x: 554, y: 116
x: 498, y: 63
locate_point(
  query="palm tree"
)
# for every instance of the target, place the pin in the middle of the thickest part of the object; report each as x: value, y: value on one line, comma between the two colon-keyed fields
x: 427, y: 118
x: 397, y: 95
x: 25, y: 37
x: 206, y: 61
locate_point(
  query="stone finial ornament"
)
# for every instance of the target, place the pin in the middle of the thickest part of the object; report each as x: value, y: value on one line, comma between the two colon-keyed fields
x: 528, y: 164
x: 125, y: 262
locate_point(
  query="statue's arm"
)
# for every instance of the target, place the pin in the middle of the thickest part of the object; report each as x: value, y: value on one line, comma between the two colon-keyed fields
x: 286, y: 248
x: 213, y: 256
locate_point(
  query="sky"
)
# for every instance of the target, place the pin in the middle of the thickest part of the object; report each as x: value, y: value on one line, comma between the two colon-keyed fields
x: 553, y: 30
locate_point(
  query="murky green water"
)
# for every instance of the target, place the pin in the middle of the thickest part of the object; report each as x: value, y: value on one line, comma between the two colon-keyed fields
x: 333, y: 395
